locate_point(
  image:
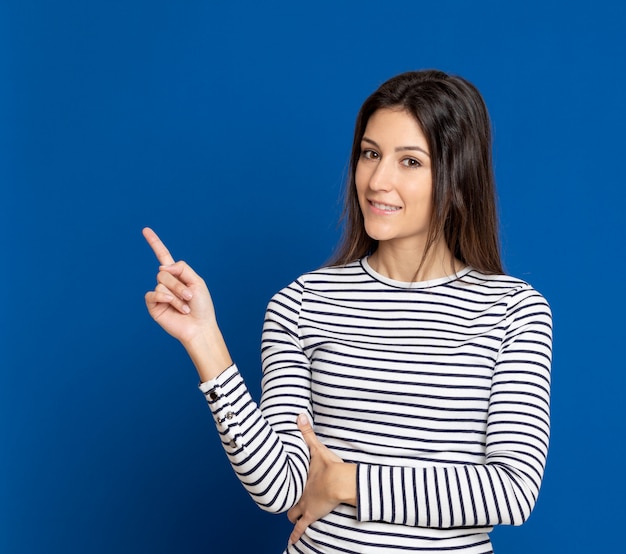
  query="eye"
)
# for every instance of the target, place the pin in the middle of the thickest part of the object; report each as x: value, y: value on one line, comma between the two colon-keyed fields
x: 410, y: 162
x: 369, y: 154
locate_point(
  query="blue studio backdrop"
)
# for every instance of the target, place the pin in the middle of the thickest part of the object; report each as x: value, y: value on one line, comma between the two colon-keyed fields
x: 226, y: 126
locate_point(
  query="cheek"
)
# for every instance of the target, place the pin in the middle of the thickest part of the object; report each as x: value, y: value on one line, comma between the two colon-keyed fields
x: 360, y: 184
x: 359, y: 179
x: 422, y: 195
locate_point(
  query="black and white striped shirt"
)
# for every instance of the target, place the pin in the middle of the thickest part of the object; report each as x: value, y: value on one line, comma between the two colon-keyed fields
x: 438, y: 390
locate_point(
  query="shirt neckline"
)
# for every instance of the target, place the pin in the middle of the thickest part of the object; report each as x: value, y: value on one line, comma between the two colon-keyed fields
x: 412, y: 285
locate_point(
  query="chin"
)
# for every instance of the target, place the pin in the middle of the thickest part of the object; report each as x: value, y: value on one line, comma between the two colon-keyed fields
x: 378, y: 234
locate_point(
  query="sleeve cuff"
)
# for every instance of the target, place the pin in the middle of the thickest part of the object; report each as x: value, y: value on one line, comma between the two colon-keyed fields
x: 206, y: 387
x: 220, y: 398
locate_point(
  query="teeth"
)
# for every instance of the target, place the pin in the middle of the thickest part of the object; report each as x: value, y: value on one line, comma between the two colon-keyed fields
x: 385, y: 207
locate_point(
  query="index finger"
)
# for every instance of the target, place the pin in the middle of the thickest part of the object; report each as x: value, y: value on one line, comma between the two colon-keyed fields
x: 159, y: 249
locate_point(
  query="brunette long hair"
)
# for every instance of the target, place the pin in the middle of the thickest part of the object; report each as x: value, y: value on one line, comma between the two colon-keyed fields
x: 454, y: 119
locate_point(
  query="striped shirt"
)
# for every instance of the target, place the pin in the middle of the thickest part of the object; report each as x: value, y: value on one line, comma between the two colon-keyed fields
x: 438, y: 390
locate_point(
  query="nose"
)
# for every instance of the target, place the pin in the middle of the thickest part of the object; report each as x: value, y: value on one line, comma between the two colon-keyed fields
x: 381, y: 178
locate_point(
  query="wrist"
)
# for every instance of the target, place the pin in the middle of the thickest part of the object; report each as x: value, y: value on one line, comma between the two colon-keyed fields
x: 209, y: 353
x: 346, y: 483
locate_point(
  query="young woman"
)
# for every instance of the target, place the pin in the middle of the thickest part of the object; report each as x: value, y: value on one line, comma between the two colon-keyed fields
x: 405, y: 403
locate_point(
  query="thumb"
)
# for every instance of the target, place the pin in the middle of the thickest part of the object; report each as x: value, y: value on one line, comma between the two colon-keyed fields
x: 307, y: 431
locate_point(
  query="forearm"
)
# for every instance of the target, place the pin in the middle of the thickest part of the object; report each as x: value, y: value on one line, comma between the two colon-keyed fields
x: 271, y: 465
x: 444, y: 496
x: 502, y: 488
x: 208, y: 352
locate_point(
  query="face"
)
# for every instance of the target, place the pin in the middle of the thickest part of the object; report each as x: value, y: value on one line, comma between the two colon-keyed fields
x: 394, y: 180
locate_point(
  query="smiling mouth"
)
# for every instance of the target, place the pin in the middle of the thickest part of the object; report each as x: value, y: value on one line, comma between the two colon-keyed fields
x: 384, y: 207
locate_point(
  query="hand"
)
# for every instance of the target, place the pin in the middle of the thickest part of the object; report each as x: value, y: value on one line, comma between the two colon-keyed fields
x: 182, y: 305
x: 330, y: 482
x: 180, y: 302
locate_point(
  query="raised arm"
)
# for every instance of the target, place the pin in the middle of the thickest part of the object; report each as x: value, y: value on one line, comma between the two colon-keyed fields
x: 265, y: 448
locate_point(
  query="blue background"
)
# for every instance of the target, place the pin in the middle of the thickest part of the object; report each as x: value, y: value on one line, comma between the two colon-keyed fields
x: 226, y: 126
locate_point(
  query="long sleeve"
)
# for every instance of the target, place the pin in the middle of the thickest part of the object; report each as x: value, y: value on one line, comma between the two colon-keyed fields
x: 438, y: 391
x: 263, y: 444
x: 503, y: 489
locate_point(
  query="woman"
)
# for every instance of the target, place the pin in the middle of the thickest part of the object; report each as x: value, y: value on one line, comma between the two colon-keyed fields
x: 424, y: 370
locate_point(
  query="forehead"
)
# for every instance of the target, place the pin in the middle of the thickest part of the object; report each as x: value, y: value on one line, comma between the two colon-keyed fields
x: 395, y: 126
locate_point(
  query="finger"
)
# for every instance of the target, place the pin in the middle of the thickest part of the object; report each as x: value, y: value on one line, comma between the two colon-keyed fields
x: 294, y: 513
x: 160, y: 297
x: 174, y: 285
x: 182, y: 271
x: 298, y: 530
x: 175, y: 302
x: 164, y: 298
x: 307, y: 431
x: 159, y: 249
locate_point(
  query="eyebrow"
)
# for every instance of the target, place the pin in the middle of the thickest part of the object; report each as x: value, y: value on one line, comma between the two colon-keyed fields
x: 399, y: 148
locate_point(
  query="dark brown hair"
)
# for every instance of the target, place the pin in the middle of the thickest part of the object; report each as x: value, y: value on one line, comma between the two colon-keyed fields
x: 454, y: 119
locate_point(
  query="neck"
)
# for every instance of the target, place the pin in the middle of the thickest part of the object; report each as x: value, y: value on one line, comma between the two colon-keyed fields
x: 403, y: 264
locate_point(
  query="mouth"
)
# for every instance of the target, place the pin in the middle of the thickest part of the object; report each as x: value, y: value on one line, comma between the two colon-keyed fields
x: 384, y: 207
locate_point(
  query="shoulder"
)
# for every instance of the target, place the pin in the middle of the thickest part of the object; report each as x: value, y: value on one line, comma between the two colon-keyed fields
x: 320, y: 280
x: 331, y: 275
x: 288, y: 302
x: 327, y: 277
x: 523, y: 302
x: 499, y: 285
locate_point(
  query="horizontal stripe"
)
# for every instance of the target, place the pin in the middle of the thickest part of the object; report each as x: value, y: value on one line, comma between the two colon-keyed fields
x: 439, y: 391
